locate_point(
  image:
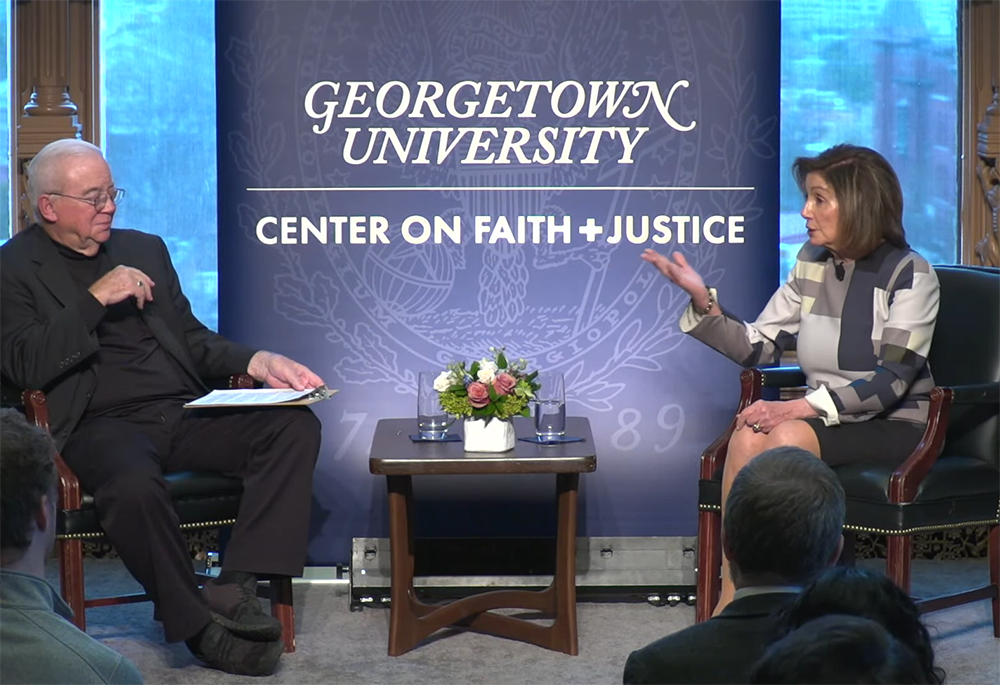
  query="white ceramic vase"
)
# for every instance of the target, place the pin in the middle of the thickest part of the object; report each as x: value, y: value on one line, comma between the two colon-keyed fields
x: 495, y: 436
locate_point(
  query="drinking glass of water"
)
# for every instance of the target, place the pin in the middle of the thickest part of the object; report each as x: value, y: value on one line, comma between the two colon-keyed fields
x: 432, y: 421
x: 550, y: 405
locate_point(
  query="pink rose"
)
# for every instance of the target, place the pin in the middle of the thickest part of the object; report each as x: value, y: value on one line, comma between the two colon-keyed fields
x: 504, y: 384
x: 479, y: 395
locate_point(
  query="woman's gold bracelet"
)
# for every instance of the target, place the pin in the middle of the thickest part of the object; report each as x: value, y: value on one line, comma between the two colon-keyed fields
x: 708, y: 308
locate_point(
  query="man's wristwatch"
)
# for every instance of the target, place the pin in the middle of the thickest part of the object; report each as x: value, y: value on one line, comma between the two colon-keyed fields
x: 708, y: 308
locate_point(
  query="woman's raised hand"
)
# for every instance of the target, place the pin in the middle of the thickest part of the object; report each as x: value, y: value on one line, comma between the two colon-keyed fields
x: 677, y: 269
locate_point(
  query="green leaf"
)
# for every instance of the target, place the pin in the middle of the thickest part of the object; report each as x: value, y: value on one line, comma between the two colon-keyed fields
x: 531, y: 376
x: 493, y: 393
x: 474, y: 370
x: 526, y: 412
x: 501, y: 361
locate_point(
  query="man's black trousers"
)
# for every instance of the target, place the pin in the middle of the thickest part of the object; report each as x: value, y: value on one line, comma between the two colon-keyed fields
x: 121, y: 462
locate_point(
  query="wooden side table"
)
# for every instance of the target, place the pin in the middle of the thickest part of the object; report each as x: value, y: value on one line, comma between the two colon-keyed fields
x: 396, y: 457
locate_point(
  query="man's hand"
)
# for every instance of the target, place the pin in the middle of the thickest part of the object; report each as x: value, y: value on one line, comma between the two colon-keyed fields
x: 121, y: 283
x: 762, y: 416
x: 279, y: 371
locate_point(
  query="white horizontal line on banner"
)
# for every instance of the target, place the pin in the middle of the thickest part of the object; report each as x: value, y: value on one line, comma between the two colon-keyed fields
x: 373, y: 189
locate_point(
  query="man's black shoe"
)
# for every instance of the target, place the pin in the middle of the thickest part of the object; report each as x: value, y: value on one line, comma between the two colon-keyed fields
x: 220, y: 649
x: 236, y: 608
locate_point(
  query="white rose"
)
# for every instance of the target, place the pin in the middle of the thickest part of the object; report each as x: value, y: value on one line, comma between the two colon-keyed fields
x: 487, y: 371
x: 443, y: 381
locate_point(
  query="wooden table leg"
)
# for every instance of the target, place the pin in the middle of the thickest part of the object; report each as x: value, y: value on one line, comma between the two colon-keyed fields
x: 411, y: 620
x: 403, y: 633
x: 564, y: 635
x: 557, y: 600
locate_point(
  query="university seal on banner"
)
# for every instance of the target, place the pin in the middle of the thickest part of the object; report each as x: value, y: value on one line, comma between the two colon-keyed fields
x: 488, y: 173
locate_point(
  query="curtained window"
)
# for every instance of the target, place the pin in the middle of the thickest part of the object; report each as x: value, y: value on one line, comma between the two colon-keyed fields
x: 884, y: 74
x: 6, y: 179
x: 158, y: 59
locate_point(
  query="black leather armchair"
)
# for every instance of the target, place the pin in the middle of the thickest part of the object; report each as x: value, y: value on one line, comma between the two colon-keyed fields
x: 201, y: 500
x: 951, y: 480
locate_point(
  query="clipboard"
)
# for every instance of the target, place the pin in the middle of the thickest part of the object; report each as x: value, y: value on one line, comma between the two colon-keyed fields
x: 260, y: 397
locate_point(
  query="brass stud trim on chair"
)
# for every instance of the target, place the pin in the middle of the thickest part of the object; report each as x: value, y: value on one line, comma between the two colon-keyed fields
x: 80, y: 536
x: 920, y: 529
x: 904, y: 531
x: 208, y: 524
x: 183, y: 526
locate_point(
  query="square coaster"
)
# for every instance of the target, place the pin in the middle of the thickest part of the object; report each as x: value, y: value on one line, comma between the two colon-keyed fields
x: 555, y: 440
x: 448, y: 437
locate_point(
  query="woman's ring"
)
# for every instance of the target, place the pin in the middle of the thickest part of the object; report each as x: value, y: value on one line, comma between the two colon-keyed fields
x: 139, y: 283
x: 756, y: 428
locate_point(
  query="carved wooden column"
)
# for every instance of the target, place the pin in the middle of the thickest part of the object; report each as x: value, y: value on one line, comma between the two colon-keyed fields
x: 85, y: 68
x: 981, y: 132
x: 46, y: 33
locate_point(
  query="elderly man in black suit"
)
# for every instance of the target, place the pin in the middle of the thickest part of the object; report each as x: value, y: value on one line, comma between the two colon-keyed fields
x: 783, y: 523
x: 96, y: 318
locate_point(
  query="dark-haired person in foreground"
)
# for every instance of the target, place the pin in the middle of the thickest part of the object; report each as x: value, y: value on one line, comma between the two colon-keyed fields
x: 786, y: 517
x: 95, y: 317
x: 38, y: 644
x: 839, y: 650
x: 859, y: 306
x: 856, y: 592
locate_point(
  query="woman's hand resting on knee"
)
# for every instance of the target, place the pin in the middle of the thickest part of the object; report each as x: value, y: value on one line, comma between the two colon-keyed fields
x: 762, y: 416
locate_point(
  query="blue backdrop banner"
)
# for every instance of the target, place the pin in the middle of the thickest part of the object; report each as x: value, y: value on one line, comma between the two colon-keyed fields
x: 404, y: 184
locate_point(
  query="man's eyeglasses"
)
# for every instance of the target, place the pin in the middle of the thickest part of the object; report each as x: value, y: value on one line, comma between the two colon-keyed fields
x: 116, y: 195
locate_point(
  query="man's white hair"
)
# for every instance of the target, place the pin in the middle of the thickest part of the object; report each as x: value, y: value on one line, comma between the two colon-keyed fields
x: 44, y: 170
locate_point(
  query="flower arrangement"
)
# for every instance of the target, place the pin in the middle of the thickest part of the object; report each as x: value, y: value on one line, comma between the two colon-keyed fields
x: 492, y: 387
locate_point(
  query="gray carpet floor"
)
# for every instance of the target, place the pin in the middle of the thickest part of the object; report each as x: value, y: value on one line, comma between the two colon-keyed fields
x: 335, y: 645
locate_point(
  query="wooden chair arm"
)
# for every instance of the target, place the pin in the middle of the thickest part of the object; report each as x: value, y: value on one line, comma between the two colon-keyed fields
x: 70, y: 494
x: 235, y: 381
x: 36, y: 410
x: 906, y: 479
x: 976, y: 393
x: 781, y: 377
x: 713, y: 459
x: 242, y: 380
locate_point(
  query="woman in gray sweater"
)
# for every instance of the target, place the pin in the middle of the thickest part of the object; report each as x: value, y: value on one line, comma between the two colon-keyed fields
x: 859, y: 306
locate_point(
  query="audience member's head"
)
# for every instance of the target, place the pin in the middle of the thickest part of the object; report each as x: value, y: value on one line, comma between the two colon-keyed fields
x: 843, y: 590
x: 839, y: 649
x: 783, y: 519
x: 27, y: 491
